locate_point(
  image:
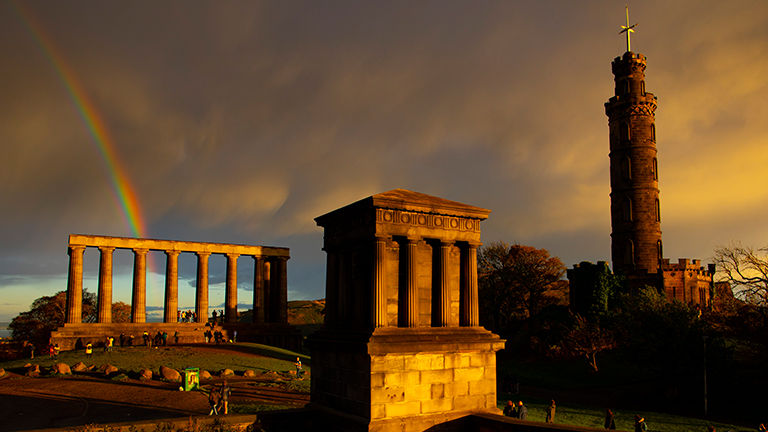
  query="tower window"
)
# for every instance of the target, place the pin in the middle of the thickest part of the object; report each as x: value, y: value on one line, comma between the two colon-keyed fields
x: 627, y: 209
x: 625, y: 86
x: 629, y: 254
x: 655, y: 169
x: 658, y: 211
x: 659, y: 250
x: 653, y: 132
x: 642, y: 87
x: 624, y: 131
x: 626, y: 168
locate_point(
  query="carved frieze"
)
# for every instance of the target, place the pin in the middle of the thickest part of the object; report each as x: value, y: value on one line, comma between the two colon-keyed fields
x: 434, y: 221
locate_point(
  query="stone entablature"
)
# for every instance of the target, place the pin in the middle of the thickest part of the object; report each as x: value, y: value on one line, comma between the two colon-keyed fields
x: 270, y: 281
x: 401, y: 348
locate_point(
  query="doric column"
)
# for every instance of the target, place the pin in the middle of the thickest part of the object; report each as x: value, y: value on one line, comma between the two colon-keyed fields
x: 269, y: 314
x: 171, y: 307
x: 444, y: 302
x: 105, y: 285
x: 230, y: 301
x: 258, y: 289
x: 75, y: 285
x: 280, y: 288
x: 411, y: 312
x: 201, y: 295
x: 379, y: 283
x: 331, y: 287
x: 139, y: 297
x: 469, y: 306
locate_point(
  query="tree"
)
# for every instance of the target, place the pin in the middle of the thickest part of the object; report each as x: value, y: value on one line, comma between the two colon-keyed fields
x: 514, y: 282
x: 746, y: 269
x: 586, y: 338
x: 121, y: 312
x: 47, y: 314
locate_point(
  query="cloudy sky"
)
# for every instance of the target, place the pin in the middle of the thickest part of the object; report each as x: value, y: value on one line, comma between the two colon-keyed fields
x: 242, y: 121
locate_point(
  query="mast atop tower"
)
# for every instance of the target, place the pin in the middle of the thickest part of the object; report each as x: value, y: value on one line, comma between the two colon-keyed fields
x: 628, y: 29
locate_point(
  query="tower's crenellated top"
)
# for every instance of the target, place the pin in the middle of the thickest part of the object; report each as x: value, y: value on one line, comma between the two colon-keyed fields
x: 628, y: 64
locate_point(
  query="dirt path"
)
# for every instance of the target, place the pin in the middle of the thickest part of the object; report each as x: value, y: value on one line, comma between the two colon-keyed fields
x: 35, y: 403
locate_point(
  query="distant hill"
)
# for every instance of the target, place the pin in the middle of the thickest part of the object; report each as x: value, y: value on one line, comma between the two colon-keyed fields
x: 300, y: 312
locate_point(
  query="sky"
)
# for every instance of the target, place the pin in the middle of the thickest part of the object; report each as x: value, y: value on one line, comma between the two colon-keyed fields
x: 242, y: 121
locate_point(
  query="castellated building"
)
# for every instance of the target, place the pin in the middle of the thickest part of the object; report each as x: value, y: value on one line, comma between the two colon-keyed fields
x: 636, y: 244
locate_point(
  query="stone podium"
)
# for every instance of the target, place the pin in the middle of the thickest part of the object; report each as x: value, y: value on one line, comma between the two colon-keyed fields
x: 401, y: 348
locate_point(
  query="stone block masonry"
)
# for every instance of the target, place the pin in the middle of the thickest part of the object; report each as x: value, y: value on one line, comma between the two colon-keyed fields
x: 401, y: 348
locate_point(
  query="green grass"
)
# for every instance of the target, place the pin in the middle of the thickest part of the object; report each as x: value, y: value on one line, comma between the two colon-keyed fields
x: 590, y: 417
x: 133, y: 359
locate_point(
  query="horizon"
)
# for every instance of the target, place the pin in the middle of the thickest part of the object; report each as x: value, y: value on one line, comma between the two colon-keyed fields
x: 241, y: 123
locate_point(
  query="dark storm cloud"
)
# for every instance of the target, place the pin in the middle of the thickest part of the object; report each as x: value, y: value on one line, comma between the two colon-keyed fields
x: 242, y: 121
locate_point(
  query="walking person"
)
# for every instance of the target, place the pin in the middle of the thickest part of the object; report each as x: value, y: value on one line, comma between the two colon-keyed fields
x: 550, y: 410
x: 298, y: 367
x: 610, y: 422
x: 225, y: 393
x: 640, y: 425
x: 88, y: 350
x: 214, y: 398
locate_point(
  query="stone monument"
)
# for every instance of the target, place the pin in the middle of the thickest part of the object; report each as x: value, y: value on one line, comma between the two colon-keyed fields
x: 401, y: 348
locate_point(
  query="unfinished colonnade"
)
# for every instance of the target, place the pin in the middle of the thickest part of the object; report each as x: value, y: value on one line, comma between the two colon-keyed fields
x: 269, y: 287
x: 269, y: 284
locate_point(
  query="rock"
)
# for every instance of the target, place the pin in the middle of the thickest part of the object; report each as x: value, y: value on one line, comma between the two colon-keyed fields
x: 249, y: 373
x: 32, y: 371
x: 61, y: 369
x: 109, y: 369
x: 226, y: 372
x: 2, y: 372
x: 145, y: 375
x: 79, y: 367
x: 91, y: 367
x: 205, y: 375
x: 170, y: 374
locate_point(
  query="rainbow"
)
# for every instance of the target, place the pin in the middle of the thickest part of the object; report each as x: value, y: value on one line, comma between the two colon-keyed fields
x: 124, y: 191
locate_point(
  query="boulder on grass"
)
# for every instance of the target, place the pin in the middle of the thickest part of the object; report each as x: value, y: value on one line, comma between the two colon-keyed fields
x: 249, y: 373
x: 226, y: 372
x: 145, y: 375
x: 110, y: 369
x: 61, y: 369
x: 170, y: 374
x: 205, y: 375
x: 79, y: 367
x: 33, y: 370
x: 2, y: 372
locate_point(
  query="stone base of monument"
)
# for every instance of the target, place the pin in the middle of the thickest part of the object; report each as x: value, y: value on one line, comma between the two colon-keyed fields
x: 76, y: 336
x: 404, y: 379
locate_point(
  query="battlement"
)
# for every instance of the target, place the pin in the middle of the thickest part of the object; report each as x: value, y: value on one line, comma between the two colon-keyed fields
x: 684, y: 264
x: 628, y: 63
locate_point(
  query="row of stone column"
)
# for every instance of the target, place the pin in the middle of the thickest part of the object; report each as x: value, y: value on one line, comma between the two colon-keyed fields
x: 408, y: 313
x: 269, y: 287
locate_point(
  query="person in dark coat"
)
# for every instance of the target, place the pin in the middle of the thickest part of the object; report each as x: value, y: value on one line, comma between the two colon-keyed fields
x: 510, y: 410
x: 610, y: 423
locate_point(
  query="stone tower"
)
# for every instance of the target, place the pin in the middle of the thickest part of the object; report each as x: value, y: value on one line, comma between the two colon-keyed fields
x: 636, y: 247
